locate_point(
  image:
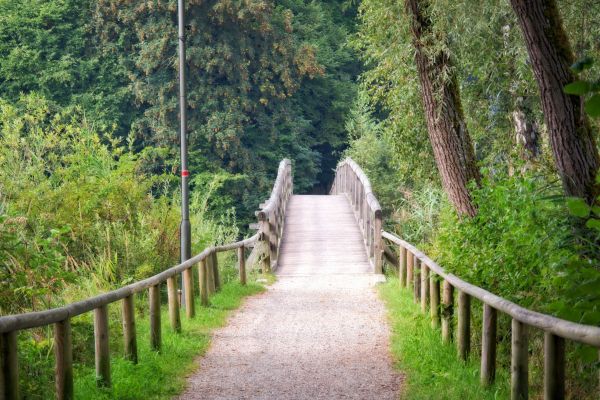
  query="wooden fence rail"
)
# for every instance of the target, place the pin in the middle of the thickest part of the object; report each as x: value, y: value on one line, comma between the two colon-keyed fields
x: 352, y: 181
x: 555, y: 330
x: 271, y: 224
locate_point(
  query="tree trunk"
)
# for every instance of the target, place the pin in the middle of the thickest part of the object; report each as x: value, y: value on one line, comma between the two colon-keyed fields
x: 526, y: 134
x: 452, y: 147
x: 526, y: 129
x: 571, y: 138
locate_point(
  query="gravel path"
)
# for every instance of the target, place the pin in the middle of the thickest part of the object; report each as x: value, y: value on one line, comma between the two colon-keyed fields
x: 314, y: 334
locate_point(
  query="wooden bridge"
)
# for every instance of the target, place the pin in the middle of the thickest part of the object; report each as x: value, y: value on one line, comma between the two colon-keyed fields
x: 338, y: 240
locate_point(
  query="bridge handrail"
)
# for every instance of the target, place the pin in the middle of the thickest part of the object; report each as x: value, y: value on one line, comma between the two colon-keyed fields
x: 353, y: 182
x: 271, y: 217
x: 417, y: 269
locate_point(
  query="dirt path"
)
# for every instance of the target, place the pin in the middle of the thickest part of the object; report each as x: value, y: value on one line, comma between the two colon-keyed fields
x: 317, y: 333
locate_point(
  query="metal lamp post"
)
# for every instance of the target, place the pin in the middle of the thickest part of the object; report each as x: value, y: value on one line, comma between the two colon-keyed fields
x: 185, y: 227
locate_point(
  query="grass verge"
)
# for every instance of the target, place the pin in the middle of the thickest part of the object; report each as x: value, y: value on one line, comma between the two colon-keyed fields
x: 163, y: 375
x: 431, y: 369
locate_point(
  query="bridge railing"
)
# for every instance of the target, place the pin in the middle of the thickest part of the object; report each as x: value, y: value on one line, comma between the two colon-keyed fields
x: 271, y: 217
x: 424, y: 275
x: 352, y: 181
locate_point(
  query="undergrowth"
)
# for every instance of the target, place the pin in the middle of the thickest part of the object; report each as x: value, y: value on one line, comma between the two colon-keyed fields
x: 158, y: 375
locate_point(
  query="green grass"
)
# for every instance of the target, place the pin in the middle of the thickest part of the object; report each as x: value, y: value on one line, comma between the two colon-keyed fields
x: 163, y: 375
x: 431, y: 369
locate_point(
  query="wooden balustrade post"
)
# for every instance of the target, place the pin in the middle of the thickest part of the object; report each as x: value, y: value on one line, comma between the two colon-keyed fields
x: 129, y: 333
x: 402, y: 267
x: 102, y: 350
x: 155, y: 329
x: 410, y: 268
x: 488, y: 345
x: 203, y: 282
x: 63, y: 353
x: 241, y: 265
x: 554, y: 367
x: 447, y: 311
x: 434, y: 307
x: 265, y: 229
x: 9, y: 379
x: 215, y: 265
x: 174, y: 316
x: 464, y: 325
x: 188, y: 282
x: 378, y: 243
x: 424, y: 287
x: 417, y: 280
x: 519, y: 368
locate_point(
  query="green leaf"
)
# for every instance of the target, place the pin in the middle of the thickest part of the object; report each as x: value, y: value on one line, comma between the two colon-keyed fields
x: 578, y: 207
x: 593, y: 224
x: 577, y: 88
x: 592, y: 106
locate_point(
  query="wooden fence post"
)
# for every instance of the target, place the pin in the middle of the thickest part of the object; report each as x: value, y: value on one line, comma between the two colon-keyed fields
x: 63, y: 353
x: 155, y: 333
x: 188, y: 282
x: 241, y: 265
x: 101, y: 339
x: 402, y: 267
x: 172, y: 296
x: 215, y: 265
x: 519, y: 368
x: 210, y: 275
x: 129, y: 333
x: 9, y: 383
x: 203, y: 282
x: 434, y: 307
x: 464, y: 325
x: 424, y: 287
x: 410, y: 259
x: 554, y: 367
x: 488, y: 345
x: 447, y: 312
x: 417, y: 279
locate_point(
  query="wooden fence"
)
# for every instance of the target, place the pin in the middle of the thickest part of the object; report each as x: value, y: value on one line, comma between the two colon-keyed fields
x: 434, y: 288
x: 271, y: 222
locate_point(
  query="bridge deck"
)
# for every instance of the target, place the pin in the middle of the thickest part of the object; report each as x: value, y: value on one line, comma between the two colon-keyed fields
x: 319, y: 332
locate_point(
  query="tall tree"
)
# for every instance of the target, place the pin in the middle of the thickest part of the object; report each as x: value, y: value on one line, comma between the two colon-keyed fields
x: 450, y: 140
x: 571, y: 138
